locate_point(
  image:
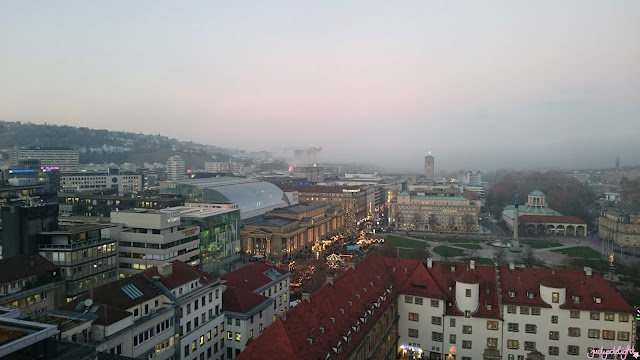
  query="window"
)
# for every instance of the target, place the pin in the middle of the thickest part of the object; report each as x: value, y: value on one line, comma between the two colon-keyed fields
x: 188, y: 326
x: 535, y: 311
x: 492, y: 325
x: 188, y: 309
x: 466, y: 329
x: 452, y: 322
x: 186, y: 350
x: 554, y: 335
x: 419, y: 301
x: 514, y: 327
x: 201, y: 340
x: 623, y: 317
x: 209, y: 335
x: 466, y: 344
x: 452, y: 338
x: 574, y: 332
x: 530, y: 329
x: 413, y: 333
x: 511, y: 309
x: 414, y: 317
x: 554, y: 319
x: 513, y: 344
x: 529, y: 345
x: 195, y: 322
x: 623, y: 335
x: 237, y: 322
x: 260, y: 328
x: 595, y: 315
x: 609, y: 316
x: 597, y: 300
x: 408, y: 299
x: 434, y: 303
x: 555, y: 297
x: 229, y: 321
x: 608, y: 334
x: 436, y: 336
x: 573, y: 350
x: 512, y: 294
x: 436, y: 320
x: 593, y: 334
x: 195, y: 305
x: 229, y: 335
x: 194, y: 345
x: 135, y: 312
x: 251, y: 334
x: 530, y: 295
x: 554, y: 350
x: 467, y: 292
x: 238, y: 336
x: 524, y: 310
x: 492, y: 343
x: 574, y: 314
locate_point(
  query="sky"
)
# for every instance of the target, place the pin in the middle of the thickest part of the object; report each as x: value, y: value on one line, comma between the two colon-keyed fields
x: 482, y: 85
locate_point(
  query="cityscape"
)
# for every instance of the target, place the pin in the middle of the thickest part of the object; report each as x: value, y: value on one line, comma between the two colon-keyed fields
x: 319, y: 181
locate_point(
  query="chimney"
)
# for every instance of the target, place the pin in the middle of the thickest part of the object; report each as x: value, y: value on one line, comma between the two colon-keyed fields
x: 512, y: 266
x: 307, y: 297
x: 472, y: 264
x: 165, y: 269
x: 429, y: 263
x: 587, y: 271
x: 329, y: 280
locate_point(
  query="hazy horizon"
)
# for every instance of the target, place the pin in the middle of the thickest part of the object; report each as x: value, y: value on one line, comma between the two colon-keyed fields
x: 481, y: 85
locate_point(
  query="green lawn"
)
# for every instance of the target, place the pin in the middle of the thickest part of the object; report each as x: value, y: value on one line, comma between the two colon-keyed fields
x: 404, y: 242
x: 447, y: 251
x: 541, y: 244
x: 451, y: 240
x: 580, y: 251
x: 469, y: 246
x: 479, y: 260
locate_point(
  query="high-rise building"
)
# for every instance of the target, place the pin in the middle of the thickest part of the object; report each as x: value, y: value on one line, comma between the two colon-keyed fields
x: 21, y: 227
x: 153, y: 237
x: 429, y: 167
x: 64, y: 158
x: 473, y: 177
x: 176, y: 169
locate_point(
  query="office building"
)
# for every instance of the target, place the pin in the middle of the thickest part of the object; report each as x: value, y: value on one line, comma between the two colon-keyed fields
x: 358, y: 200
x: 21, y: 227
x: 313, y: 174
x: 176, y: 169
x: 219, y: 235
x: 385, y: 308
x: 86, y: 255
x: 429, y: 168
x: 63, y: 158
x: 473, y: 178
x: 100, y: 203
x: 223, y: 167
x: 151, y: 238
x: 78, y: 182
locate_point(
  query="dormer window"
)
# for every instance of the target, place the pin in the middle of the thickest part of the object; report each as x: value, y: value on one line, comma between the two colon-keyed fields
x: 338, y: 348
x: 467, y: 313
x: 576, y: 299
x: 530, y: 295
x: 489, y: 307
x: 512, y: 294
x: 328, y: 357
x: 597, y: 299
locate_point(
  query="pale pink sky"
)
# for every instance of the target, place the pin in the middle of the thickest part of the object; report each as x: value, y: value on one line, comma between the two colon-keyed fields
x: 480, y: 84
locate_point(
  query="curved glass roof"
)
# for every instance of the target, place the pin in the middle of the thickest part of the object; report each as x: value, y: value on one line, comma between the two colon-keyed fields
x: 250, y: 194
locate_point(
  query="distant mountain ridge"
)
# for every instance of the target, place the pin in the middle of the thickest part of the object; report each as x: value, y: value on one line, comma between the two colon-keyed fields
x: 104, y: 146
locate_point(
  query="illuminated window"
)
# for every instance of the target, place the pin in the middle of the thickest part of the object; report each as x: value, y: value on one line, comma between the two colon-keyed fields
x: 609, y: 316
x: 414, y: 317
x: 238, y: 336
x: 492, y: 325
x: 229, y: 335
x: 555, y: 297
x: 513, y: 344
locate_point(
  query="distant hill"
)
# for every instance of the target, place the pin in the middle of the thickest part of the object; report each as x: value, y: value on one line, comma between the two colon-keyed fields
x: 104, y: 146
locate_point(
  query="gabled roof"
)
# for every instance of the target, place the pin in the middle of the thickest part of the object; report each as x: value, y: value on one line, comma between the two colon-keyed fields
x: 240, y: 300
x: 23, y: 267
x: 251, y: 277
x: 413, y: 278
x: 273, y: 341
x: 181, y: 274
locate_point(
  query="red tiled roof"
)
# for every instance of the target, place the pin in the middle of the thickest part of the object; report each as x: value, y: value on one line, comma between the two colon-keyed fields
x: 484, y: 275
x: 23, y: 267
x: 576, y: 283
x: 181, y: 274
x: 250, y: 277
x: 416, y: 280
x: 273, y: 341
x: 318, y: 189
x: 563, y: 219
x: 240, y: 300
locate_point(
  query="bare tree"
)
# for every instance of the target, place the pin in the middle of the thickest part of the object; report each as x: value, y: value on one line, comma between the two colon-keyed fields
x: 452, y: 222
x: 500, y: 257
x: 469, y: 222
x: 416, y: 220
x: 529, y: 258
x: 433, y: 222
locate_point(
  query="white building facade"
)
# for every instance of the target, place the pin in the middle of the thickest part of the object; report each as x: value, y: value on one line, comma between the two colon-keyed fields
x: 130, y: 183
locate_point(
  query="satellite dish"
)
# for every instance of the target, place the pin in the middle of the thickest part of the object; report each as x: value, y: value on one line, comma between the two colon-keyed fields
x: 88, y: 302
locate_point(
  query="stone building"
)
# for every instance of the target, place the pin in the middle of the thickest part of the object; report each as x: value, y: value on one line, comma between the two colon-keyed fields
x: 621, y: 227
